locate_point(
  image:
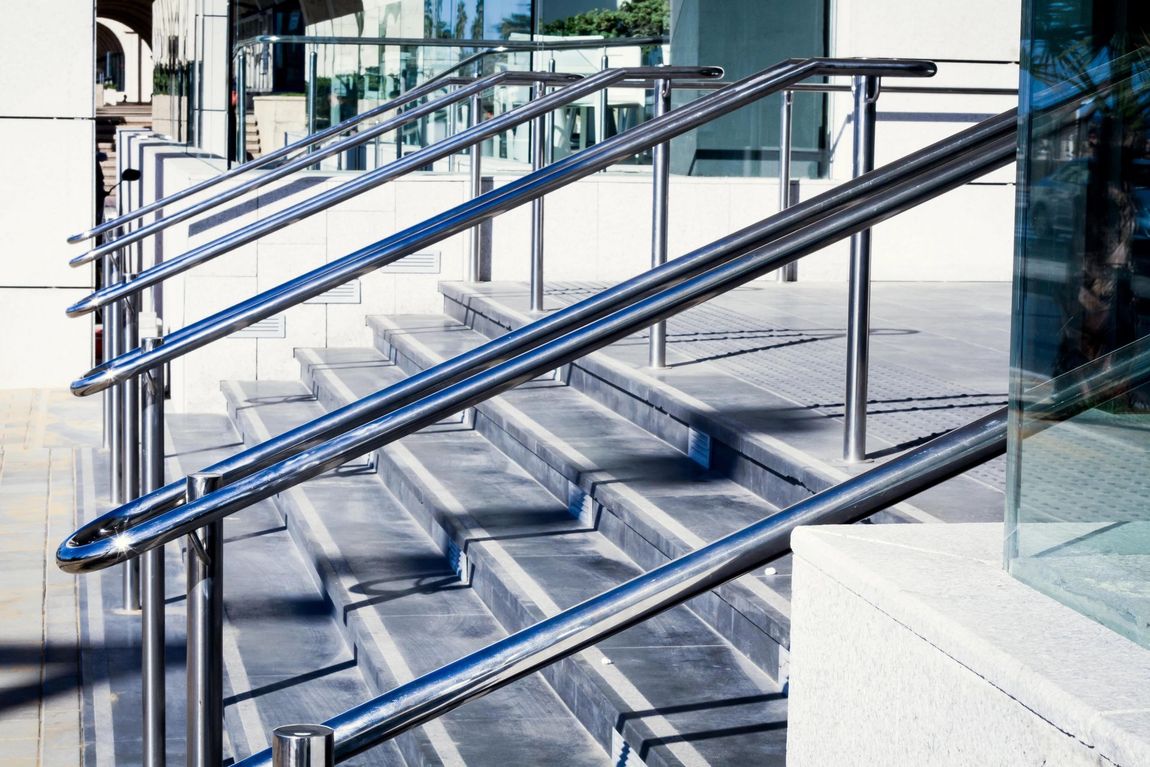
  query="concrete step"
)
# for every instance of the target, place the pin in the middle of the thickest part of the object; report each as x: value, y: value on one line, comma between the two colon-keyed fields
x: 530, y: 557
x: 660, y: 504
x: 284, y: 659
x: 399, y: 603
x: 780, y: 447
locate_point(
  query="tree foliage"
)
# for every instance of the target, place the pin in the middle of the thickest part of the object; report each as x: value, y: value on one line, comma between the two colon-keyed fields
x: 636, y: 18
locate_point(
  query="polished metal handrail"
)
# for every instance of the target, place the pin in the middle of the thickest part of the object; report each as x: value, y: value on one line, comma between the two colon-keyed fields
x: 750, y: 253
x: 304, y: 162
x: 511, y: 46
x: 441, y: 80
x: 577, y: 628
x: 549, y: 327
x: 285, y: 151
x: 208, y: 508
x: 414, y: 161
x: 468, y: 214
x: 645, y: 596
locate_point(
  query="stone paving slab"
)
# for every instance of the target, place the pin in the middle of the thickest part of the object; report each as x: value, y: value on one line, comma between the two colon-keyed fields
x: 45, y: 438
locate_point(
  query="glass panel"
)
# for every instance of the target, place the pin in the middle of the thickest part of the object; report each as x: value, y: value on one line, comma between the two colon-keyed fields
x: 1078, y: 521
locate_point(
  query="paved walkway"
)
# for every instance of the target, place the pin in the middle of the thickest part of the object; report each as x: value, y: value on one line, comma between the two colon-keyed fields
x: 44, y: 437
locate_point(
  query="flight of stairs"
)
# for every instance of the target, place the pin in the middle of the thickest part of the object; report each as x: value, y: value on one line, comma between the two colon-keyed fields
x: 251, y: 134
x: 485, y: 524
x: 492, y: 520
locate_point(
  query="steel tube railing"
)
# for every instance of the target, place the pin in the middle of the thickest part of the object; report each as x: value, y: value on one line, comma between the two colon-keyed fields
x: 129, y: 456
x: 241, y: 149
x: 789, y: 272
x: 563, y: 350
x: 538, y: 160
x: 303, y: 745
x: 303, y: 144
x: 504, y: 198
x: 475, y: 179
x: 496, y: 46
x: 866, y: 90
x: 307, y: 160
x: 529, y: 337
x: 152, y: 644
x: 660, y: 216
x: 205, y: 616
x: 414, y: 161
x: 647, y: 595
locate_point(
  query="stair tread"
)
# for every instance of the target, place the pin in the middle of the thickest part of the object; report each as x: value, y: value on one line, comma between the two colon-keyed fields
x: 517, y: 525
x: 411, y: 593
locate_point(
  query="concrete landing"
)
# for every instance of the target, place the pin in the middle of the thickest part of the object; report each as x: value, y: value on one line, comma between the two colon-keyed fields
x: 46, y: 438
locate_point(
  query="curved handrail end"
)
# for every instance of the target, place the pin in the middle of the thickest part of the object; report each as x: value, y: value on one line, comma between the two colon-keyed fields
x: 79, y: 558
x: 83, y: 258
x: 85, y: 305
x: 96, y: 380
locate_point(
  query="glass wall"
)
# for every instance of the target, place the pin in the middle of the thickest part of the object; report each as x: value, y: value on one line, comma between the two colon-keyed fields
x: 743, y: 36
x: 1078, y: 521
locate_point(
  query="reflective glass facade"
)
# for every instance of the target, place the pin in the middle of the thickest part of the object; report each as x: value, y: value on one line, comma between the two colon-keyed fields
x: 1078, y: 520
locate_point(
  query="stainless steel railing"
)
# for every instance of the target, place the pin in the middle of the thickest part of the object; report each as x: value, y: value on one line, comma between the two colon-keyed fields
x: 371, y: 179
x: 122, y: 542
x: 372, y: 722
x: 545, y: 329
x: 462, y: 93
x: 205, y: 509
x: 740, y: 257
x: 532, y: 649
x: 513, y: 194
x: 645, y: 596
x: 283, y: 152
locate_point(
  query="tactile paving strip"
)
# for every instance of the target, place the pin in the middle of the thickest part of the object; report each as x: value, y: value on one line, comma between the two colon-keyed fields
x: 905, y: 406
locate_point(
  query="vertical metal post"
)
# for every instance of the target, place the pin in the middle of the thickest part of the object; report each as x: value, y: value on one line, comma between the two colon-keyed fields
x: 106, y: 353
x: 476, y: 187
x: 549, y: 124
x: 130, y: 445
x: 865, y: 90
x: 452, y: 129
x: 242, y: 107
x: 538, y: 152
x: 205, y: 633
x: 661, y: 177
x: 312, y: 68
x: 601, y: 123
x: 790, y: 272
x: 113, y: 339
x: 303, y: 745
x: 152, y: 568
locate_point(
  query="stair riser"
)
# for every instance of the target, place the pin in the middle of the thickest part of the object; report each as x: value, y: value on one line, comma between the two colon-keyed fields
x: 756, y: 632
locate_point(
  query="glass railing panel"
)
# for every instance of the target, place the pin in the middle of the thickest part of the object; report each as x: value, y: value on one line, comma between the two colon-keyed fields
x: 1078, y: 525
